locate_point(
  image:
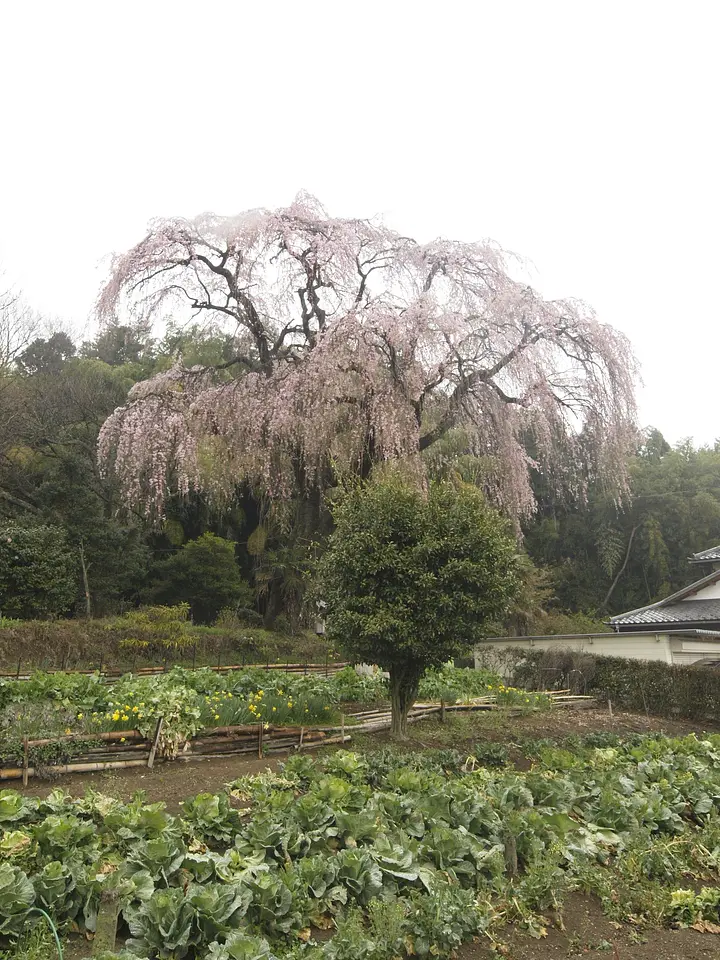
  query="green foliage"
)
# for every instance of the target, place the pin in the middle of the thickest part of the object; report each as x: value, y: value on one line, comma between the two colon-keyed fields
x: 204, y: 574
x: 674, y: 511
x: 453, y: 684
x: 157, y: 629
x: 641, y: 686
x: 491, y: 754
x: 16, y: 897
x: 411, y: 580
x: 37, y: 571
x: 405, y: 853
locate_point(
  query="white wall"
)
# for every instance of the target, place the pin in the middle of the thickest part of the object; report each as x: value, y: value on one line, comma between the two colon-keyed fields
x: 710, y: 592
x: 650, y: 646
x: 645, y: 646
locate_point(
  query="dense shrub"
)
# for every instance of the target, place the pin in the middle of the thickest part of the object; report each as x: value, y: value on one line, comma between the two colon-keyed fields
x: 642, y: 686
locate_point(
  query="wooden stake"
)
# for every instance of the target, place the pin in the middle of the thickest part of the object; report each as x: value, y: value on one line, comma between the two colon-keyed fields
x: 260, y: 741
x: 302, y: 734
x: 342, y: 727
x: 610, y: 708
x: 25, y: 762
x: 442, y: 711
x: 153, y: 748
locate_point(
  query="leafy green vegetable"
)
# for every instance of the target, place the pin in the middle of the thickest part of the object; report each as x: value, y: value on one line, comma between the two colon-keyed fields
x: 17, y: 895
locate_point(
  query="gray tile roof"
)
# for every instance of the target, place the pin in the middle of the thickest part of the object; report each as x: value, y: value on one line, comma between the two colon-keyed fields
x: 707, y: 556
x: 686, y: 611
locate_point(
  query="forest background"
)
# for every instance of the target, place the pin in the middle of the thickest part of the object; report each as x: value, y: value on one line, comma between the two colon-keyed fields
x: 583, y: 561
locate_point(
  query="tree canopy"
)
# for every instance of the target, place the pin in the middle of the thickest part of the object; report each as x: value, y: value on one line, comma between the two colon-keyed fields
x: 204, y: 574
x: 411, y: 580
x: 37, y: 576
x: 353, y: 344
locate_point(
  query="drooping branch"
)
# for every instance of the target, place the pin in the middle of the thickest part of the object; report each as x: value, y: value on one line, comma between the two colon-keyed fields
x: 356, y: 341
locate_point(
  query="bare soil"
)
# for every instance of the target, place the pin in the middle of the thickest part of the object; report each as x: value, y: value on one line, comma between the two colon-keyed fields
x: 588, y: 933
x: 170, y: 782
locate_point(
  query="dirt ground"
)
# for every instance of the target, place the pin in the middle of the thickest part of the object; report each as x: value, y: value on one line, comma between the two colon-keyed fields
x: 587, y: 933
x: 583, y: 932
x: 169, y: 782
x: 172, y: 782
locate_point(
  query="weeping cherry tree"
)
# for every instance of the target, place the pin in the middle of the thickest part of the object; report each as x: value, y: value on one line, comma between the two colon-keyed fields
x: 353, y: 345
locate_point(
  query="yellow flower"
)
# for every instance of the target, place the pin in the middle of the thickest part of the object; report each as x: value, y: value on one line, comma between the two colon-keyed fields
x: 122, y: 739
x: 116, y: 715
x: 274, y: 709
x: 127, y: 706
x: 68, y: 730
x: 79, y: 716
x: 135, y: 709
x: 217, y: 716
x: 139, y: 716
x: 125, y: 717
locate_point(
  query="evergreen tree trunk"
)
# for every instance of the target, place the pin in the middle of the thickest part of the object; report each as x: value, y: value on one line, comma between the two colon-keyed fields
x: 404, y: 683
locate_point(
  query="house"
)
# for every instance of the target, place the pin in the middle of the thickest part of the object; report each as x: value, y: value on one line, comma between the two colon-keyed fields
x: 683, y: 628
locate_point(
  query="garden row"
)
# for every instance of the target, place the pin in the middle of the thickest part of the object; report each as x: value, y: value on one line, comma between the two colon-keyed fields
x: 400, y: 855
x: 77, y: 721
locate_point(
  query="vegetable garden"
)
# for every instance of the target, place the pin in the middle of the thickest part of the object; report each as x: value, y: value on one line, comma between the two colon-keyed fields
x: 390, y: 854
x: 79, y: 721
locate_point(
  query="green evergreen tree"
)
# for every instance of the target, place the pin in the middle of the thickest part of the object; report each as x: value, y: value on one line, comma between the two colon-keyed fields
x: 38, y: 572
x: 204, y: 574
x: 412, y: 580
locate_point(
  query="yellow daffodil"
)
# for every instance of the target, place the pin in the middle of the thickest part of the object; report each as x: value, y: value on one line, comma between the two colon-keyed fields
x: 125, y: 717
x: 116, y: 716
x: 79, y: 716
x: 274, y: 709
x: 122, y: 739
x: 68, y: 730
x: 217, y: 716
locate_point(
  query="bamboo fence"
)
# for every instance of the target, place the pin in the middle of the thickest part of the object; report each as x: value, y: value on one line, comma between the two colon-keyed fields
x: 325, y: 669
x: 120, y: 749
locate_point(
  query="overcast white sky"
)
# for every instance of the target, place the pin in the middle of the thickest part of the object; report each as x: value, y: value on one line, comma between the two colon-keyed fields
x: 583, y: 135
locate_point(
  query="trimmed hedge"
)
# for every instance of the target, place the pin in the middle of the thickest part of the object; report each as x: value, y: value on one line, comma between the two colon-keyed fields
x: 640, y: 686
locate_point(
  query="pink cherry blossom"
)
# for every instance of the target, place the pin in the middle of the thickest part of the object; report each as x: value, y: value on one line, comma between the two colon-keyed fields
x: 354, y: 345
